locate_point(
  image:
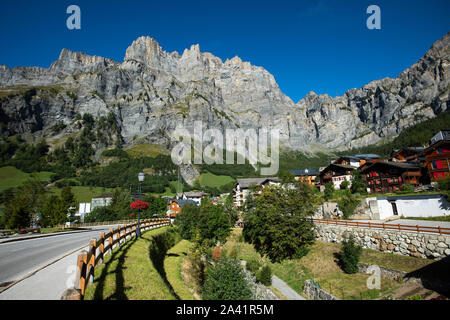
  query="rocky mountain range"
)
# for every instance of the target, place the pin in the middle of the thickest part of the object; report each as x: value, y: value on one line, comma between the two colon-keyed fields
x: 152, y: 91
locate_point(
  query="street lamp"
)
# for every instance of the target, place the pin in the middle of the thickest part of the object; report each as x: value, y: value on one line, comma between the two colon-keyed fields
x: 141, y: 177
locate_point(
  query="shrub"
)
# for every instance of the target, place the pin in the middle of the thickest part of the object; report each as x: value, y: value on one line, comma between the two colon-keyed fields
x: 226, y: 281
x: 301, y: 252
x: 349, y: 255
x: 234, y: 253
x: 348, y: 204
x: 264, y: 276
x: 253, y: 266
x: 329, y: 190
x: 345, y: 184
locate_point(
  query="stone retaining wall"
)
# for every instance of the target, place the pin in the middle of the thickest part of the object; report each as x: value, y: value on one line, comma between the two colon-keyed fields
x: 315, y: 292
x: 408, y: 243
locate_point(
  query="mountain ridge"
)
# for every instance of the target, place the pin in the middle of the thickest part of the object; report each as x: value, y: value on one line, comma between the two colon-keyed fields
x: 152, y: 91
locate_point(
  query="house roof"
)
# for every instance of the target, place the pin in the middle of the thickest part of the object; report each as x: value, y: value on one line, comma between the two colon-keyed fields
x: 338, y: 166
x: 194, y: 194
x: 413, y: 150
x: 304, y: 172
x: 434, y: 146
x: 183, y: 202
x: 247, y: 182
x: 365, y: 156
x: 401, y: 165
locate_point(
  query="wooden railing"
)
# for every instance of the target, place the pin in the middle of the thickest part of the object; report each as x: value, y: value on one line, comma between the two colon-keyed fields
x: 88, y: 260
x: 102, y: 223
x: 385, y: 226
x: 20, y: 231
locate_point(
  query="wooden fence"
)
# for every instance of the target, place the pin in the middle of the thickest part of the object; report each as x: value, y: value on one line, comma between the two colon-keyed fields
x: 384, y: 226
x: 102, y: 223
x: 88, y: 260
x: 20, y: 231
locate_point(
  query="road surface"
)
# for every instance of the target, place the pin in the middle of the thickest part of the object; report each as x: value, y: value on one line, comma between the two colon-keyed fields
x: 58, y: 253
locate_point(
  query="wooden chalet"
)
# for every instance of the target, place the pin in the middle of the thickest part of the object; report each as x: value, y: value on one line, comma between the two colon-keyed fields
x: 389, y: 176
x: 437, y: 156
x: 410, y: 154
x: 336, y: 173
x: 308, y: 176
x: 357, y: 160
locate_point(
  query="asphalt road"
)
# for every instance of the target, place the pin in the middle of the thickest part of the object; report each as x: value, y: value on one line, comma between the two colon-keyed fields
x: 19, y: 258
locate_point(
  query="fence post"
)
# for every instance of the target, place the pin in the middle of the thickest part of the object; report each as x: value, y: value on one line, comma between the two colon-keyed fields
x: 111, y: 236
x: 93, y: 250
x: 440, y: 231
x: 80, y: 280
x: 102, y: 246
x: 118, y: 236
x: 418, y: 229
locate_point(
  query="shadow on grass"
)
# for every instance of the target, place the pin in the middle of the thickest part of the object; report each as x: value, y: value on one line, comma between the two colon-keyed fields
x: 435, y: 276
x: 157, y: 250
x: 119, y: 293
x: 158, y: 246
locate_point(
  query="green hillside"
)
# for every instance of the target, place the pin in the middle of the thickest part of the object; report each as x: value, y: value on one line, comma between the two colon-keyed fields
x: 11, y: 177
x: 214, y: 181
x: 415, y: 136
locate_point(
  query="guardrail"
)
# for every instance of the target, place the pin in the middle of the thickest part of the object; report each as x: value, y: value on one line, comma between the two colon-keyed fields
x: 20, y: 231
x: 88, y: 260
x: 385, y: 226
x: 93, y: 224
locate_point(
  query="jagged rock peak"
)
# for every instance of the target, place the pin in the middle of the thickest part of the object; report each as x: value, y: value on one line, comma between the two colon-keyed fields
x: 70, y: 61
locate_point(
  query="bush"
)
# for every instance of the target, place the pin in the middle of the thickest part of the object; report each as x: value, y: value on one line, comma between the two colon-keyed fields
x: 264, y: 276
x: 329, y: 191
x: 345, y: 184
x: 226, y: 281
x: 234, y: 253
x: 349, y: 255
x: 301, y: 252
x: 253, y: 266
x: 348, y: 204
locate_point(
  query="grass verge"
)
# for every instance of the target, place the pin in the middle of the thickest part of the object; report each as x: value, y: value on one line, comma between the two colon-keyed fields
x: 172, y: 267
x: 133, y: 272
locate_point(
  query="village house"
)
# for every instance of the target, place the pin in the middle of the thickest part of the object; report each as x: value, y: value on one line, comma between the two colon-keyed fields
x: 196, y: 196
x: 341, y: 169
x: 308, y: 176
x: 101, y: 201
x: 243, y: 187
x: 336, y: 173
x: 410, y: 154
x: 389, y: 176
x: 84, y: 208
x: 437, y: 156
x: 357, y: 160
x: 175, y: 206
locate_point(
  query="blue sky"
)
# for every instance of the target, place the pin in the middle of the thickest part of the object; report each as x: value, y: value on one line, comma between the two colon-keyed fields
x: 321, y: 45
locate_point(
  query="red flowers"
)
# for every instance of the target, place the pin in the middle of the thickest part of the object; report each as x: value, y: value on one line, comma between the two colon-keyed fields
x: 142, y: 205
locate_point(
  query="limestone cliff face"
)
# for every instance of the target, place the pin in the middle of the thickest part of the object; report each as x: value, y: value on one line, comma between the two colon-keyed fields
x: 152, y: 91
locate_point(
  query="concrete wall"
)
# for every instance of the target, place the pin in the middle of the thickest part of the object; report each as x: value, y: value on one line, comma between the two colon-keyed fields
x: 413, y: 206
x: 423, y: 245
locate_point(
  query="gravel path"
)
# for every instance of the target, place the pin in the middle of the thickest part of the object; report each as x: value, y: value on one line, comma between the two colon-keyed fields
x: 287, y: 291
